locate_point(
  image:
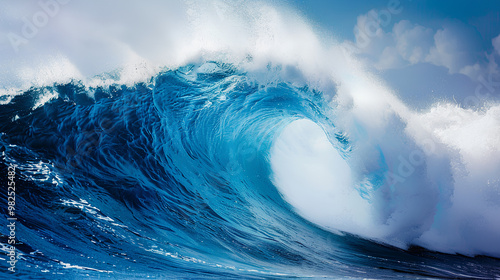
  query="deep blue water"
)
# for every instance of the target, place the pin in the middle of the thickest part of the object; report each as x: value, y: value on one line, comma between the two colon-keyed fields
x: 171, y: 179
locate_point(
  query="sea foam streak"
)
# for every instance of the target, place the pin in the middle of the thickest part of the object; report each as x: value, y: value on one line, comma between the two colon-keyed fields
x: 424, y: 178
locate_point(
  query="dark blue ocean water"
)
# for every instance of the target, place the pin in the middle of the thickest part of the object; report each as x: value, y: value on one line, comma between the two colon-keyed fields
x: 171, y: 179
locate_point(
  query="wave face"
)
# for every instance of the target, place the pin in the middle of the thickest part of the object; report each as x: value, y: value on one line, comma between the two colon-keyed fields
x: 199, y: 172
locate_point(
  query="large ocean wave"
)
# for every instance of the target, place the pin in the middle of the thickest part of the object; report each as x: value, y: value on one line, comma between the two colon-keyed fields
x: 268, y: 154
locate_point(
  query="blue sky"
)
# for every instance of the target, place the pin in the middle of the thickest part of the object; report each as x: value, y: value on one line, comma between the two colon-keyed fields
x: 428, y: 51
x: 340, y: 16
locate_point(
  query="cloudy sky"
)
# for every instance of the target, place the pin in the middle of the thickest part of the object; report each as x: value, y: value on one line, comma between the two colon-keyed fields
x: 431, y: 49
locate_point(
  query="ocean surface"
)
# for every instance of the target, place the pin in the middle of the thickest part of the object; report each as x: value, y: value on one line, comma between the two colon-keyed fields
x: 242, y: 144
x: 173, y: 178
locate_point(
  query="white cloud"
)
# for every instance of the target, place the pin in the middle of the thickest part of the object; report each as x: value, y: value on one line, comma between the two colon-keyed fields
x: 447, y: 62
x: 370, y: 38
x: 455, y: 46
x: 390, y: 58
x: 472, y: 71
x: 452, y: 49
x: 413, y: 42
x: 405, y: 44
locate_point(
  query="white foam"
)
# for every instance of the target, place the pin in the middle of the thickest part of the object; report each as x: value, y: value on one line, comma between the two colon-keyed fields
x: 316, y: 180
x: 440, y: 183
x: 85, y: 39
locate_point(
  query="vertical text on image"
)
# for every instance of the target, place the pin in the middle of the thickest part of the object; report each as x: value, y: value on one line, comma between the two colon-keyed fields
x: 11, y: 219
